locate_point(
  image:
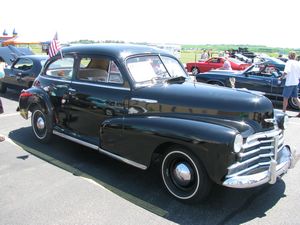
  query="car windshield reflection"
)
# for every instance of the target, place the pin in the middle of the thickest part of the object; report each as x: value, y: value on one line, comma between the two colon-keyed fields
x: 145, y: 69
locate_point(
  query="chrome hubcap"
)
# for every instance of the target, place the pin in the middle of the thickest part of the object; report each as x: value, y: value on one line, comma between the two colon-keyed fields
x: 182, y: 174
x: 40, y: 123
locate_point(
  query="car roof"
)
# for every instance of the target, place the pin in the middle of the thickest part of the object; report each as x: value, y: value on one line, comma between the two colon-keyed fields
x: 116, y: 50
x: 34, y: 56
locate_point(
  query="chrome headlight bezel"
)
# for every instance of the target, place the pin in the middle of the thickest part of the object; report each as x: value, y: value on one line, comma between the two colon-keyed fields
x: 238, y: 143
x: 282, y: 121
x: 285, y: 121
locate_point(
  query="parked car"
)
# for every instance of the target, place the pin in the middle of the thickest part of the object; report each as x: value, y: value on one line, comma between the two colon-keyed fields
x: 10, y: 53
x: 242, y: 51
x: 259, y: 77
x: 279, y: 64
x: 242, y: 58
x: 214, y: 63
x: 22, y: 72
x: 198, y: 134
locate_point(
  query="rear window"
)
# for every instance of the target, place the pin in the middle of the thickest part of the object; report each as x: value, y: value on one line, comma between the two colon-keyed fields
x: 23, y: 64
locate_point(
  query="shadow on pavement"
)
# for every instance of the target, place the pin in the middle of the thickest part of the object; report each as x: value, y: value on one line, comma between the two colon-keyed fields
x: 145, y: 188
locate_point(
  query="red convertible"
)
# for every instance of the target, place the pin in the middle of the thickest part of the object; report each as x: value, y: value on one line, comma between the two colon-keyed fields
x: 214, y: 63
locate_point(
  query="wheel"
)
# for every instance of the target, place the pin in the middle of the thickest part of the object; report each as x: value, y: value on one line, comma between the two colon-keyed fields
x: 293, y: 103
x: 41, y: 124
x: 3, y: 87
x: 184, y: 176
x: 195, y: 71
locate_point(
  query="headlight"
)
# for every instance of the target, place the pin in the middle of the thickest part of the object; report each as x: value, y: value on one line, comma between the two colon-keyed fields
x: 238, y: 143
x: 283, y: 122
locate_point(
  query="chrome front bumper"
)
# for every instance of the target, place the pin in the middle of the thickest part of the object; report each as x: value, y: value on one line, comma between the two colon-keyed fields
x: 286, y: 160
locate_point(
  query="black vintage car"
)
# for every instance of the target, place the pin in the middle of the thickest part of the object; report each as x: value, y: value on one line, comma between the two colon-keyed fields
x: 137, y: 104
x: 259, y: 77
x: 22, y: 72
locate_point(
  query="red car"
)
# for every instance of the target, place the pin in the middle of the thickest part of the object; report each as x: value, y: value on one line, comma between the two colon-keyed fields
x: 214, y: 63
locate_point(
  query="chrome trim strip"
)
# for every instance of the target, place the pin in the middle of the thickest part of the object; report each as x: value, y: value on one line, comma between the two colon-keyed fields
x: 144, y: 100
x: 254, y: 180
x: 250, y: 160
x: 267, y: 134
x: 249, y: 145
x: 143, y: 167
x: 55, y: 79
x: 83, y: 83
x: 248, y: 169
x: 254, y: 151
x: 101, y: 85
x: 95, y: 147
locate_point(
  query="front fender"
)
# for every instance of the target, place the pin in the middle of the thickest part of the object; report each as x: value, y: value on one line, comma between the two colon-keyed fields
x: 136, y: 138
x: 33, y: 96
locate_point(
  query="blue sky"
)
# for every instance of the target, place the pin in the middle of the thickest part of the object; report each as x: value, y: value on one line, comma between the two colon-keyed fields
x: 272, y: 23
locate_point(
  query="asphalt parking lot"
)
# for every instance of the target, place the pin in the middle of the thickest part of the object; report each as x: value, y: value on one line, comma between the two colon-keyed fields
x: 65, y: 183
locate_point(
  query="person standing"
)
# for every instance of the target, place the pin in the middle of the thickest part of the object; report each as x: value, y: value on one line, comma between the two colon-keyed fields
x: 291, y: 74
x: 226, y: 65
x: 204, y: 55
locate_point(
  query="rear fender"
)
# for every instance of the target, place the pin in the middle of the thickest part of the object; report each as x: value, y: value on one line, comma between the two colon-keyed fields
x: 33, y: 96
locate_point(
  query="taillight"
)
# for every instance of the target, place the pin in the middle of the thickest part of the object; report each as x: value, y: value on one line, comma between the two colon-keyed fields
x: 25, y: 94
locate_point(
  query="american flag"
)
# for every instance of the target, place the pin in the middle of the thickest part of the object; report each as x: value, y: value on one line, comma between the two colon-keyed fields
x: 54, y: 46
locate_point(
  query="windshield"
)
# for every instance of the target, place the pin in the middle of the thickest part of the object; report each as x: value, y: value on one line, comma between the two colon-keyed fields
x: 274, y: 60
x: 263, y: 70
x: 152, y: 68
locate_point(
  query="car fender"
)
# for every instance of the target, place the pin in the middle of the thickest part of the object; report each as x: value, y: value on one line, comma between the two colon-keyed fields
x: 142, y: 136
x: 33, y: 96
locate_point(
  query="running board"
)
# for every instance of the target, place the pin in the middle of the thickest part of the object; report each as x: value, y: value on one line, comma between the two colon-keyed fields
x: 95, y: 147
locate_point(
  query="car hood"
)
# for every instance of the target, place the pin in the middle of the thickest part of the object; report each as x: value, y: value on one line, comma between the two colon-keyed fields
x: 222, y: 72
x: 203, y: 102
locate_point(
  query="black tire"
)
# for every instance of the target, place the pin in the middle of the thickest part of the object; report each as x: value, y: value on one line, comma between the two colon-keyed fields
x: 3, y: 87
x: 293, y: 103
x: 195, y: 71
x: 184, y: 176
x: 41, y: 124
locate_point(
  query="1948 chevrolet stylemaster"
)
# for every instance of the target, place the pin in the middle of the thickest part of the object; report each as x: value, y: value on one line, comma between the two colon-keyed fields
x: 137, y: 104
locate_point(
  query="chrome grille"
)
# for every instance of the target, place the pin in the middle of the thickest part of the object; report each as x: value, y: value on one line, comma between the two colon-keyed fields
x: 258, y: 151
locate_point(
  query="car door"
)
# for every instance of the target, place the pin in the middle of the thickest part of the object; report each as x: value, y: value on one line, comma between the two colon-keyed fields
x: 97, y: 94
x: 56, y: 79
x: 276, y: 86
x: 254, y: 82
x: 20, y: 73
x: 213, y: 63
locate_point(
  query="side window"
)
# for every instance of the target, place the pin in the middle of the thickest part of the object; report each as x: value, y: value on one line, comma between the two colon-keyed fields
x: 114, y: 75
x: 99, y: 70
x: 23, y: 64
x: 62, y: 68
x: 214, y: 60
